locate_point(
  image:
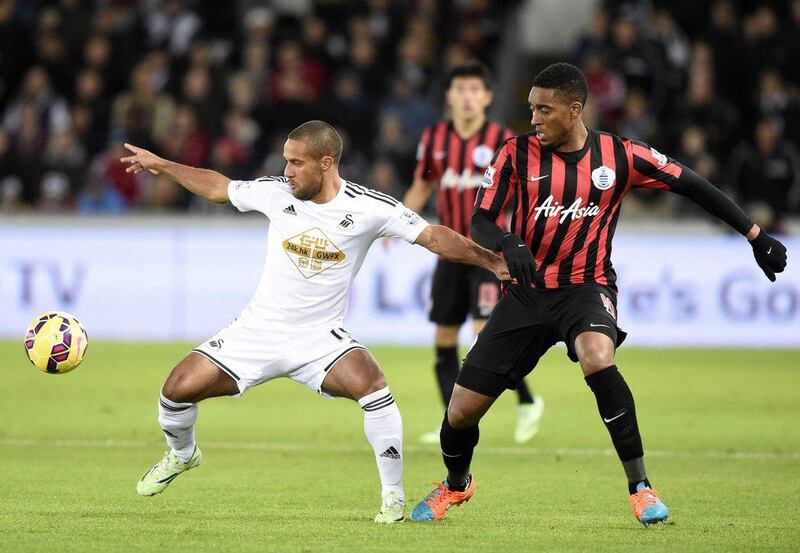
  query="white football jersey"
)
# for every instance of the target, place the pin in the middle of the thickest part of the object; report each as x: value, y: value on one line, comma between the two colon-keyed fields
x: 314, y: 251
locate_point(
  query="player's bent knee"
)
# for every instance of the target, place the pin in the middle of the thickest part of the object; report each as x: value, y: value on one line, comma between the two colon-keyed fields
x: 459, y: 416
x: 179, y: 388
x: 595, y: 361
x: 377, y: 382
x: 595, y: 352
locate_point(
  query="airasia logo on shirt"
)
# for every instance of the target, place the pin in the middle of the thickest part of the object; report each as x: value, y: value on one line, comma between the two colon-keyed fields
x: 551, y: 208
x: 466, y: 180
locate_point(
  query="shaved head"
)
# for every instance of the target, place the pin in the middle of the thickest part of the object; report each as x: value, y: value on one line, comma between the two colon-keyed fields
x: 321, y: 139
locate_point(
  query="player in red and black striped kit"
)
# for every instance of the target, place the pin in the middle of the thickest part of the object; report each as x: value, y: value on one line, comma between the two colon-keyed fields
x: 566, y: 185
x: 451, y: 158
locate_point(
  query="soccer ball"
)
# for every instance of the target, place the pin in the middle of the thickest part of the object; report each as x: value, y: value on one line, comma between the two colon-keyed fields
x: 56, y: 342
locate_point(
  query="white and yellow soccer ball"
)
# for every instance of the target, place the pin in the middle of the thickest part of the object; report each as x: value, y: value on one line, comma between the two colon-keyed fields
x: 56, y: 342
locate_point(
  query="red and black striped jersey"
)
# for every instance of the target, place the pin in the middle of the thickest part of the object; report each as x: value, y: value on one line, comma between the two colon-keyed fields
x: 566, y: 205
x: 455, y: 165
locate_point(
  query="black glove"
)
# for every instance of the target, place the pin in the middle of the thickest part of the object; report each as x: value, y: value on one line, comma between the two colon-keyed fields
x: 519, y: 259
x: 770, y: 254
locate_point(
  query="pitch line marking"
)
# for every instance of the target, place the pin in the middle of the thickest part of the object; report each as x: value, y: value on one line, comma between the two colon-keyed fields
x: 494, y: 450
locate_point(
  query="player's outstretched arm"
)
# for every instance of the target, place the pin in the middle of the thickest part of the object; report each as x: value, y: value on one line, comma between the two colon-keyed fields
x: 204, y: 182
x: 454, y: 247
x: 770, y: 254
x: 517, y: 254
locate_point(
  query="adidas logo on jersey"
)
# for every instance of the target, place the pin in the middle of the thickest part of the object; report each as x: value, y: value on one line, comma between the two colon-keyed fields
x: 290, y: 210
x: 391, y: 453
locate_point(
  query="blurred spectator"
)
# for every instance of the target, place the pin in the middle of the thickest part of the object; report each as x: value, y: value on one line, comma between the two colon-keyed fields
x: 702, y: 106
x: 234, y: 154
x: 55, y: 195
x: 200, y: 92
x: 297, y: 76
x: 778, y: 100
x: 38, y: 97
x: 51, y: 50
x: 142, y: 113
x: 606, y: 88
x: 765, y: 41
x: 65, y: 158
x: 173, y: 27
x: 162, y: 193
x: 766, y: 175
x: 392, y: 143
x: 793, y: 41
x: 365, y: 65
x: 693, y: 152
x: 15, y: 44
x: 635, y: 58
x: 186, y: 142
x: 90, y: 92
x: 412, y: 109
x: 354, y: 165
x: 383, y: 177
x: 75, y: 22
x: 11, y: 184
x: 97, y: 55
x: 637, y: 122
x: 725, y: 40
x: 675, y: 51
x: 595, y: 39
x: 109, y: 189
x: 256, y: 67
x: 10, y: 193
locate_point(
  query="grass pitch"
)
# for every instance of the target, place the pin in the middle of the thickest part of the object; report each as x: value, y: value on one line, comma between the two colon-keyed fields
x: 287, y: 471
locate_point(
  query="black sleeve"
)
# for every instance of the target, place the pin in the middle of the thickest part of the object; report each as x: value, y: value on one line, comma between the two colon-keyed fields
x: 484, y: 231
x: 706, y: 195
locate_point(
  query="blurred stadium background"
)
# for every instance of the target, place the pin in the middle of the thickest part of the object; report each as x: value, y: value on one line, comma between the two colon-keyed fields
x: 715, y: 84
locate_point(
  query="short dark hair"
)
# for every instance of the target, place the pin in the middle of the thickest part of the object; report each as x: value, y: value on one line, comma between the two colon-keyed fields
x: 321, y: 139
x: 566, y: 79
x: 470, y: 69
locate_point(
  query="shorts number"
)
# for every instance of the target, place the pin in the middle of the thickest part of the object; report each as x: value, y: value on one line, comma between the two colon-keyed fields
x: 488, y: 295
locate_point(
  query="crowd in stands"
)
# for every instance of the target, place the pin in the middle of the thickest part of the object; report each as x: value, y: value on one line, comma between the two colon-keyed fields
x: 713, y: 84
x: 219, y: 84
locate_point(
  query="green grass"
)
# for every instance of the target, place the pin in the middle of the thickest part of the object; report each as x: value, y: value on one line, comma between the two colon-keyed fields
x: 287, y: 471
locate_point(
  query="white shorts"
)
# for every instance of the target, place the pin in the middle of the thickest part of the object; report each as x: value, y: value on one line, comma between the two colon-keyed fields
x: 252, y: 356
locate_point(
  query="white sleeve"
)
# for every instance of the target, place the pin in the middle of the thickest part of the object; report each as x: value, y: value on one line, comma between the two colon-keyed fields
x: 252, y: 195
x: 401, y: 222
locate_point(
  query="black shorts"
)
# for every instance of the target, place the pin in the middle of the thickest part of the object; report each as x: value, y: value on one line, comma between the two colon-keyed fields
x: 528, y: 321
x: 459, y: 290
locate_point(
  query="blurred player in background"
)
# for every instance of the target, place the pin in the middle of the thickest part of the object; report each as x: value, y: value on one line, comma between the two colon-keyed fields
x: 567, y: 184
x: 320, y: 229
x: 451, y: 158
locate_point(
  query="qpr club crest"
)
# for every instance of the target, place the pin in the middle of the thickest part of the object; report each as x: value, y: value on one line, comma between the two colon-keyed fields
x: 603, y: 177
x: 482, y: 155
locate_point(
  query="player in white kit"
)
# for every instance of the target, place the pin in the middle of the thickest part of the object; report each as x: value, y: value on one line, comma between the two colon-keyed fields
x: 320, y: 229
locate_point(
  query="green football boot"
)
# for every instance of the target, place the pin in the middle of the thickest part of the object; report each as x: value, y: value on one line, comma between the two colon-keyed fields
x: 393, y: 509
x: 165, y: 471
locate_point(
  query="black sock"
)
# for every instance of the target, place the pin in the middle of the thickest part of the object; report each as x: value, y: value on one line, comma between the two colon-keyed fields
x: 446, y: 371
x: 524, y: 393
x: 633, y: 485
x: 618, y: 411
x: 457, y: 447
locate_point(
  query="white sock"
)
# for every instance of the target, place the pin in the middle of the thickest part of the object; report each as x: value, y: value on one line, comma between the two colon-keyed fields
x: 177, y: 422
x: 384, y: 429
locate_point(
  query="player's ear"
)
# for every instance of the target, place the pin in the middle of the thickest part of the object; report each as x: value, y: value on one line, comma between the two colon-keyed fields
x: 575, y: 110
x: 326, y: 162
x: 489, y: 96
